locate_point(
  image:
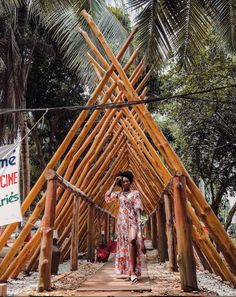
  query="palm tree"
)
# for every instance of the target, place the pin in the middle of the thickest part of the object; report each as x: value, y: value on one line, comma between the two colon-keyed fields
x: 181, y: 27
x: 21, y: 25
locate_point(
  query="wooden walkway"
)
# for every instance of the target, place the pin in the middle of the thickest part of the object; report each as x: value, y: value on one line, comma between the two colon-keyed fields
x: 106, y: 283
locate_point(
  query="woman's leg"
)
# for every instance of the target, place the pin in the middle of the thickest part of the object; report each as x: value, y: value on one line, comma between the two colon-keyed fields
x: 133, y: 249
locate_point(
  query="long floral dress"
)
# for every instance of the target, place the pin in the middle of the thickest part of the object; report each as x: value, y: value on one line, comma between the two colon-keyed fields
x: 129, y: 204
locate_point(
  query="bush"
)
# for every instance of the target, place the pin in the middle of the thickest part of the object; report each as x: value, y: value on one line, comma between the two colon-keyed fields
x: 232, y: 230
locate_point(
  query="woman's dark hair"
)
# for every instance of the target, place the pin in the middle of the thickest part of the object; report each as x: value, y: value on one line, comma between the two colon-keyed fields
x: 127, y: 174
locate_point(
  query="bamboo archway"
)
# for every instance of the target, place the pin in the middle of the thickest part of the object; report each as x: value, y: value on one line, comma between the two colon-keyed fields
x: 103, y: 142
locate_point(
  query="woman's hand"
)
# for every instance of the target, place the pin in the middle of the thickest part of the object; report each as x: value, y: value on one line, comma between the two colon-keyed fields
x: 118, y: 179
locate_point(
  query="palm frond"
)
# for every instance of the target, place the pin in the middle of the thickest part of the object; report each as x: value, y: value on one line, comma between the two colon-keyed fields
x: 154, y: 28
x: 192, y: 27
x: 223, y: 13
x: 171, y: 25
x: 63, y: 24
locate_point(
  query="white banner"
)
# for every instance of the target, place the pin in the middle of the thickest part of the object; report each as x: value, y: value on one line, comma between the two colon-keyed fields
x: 10, y: 208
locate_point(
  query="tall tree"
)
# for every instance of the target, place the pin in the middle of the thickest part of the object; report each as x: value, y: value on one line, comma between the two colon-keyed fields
x: 204, y: 125
x: 21, y: 26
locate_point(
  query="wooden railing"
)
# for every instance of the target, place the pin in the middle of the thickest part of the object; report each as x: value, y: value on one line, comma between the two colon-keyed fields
x: 45, y: 258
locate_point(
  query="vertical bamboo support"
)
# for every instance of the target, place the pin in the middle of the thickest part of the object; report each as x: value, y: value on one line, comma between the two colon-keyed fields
x: 3, y: 289
x: 74, y: 235
x: 45, y: 258
x: 90, y: 234
x: 154, y: 230
x: 186, y: 259
x: 98, y: 227
x: 162, y: 240
x: 170, y: 232
x: 114, y: 228
x: 148, y: 229
x: 107, y: 228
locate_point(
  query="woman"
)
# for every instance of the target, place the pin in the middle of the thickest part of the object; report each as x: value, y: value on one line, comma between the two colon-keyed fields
x: 128, y: 255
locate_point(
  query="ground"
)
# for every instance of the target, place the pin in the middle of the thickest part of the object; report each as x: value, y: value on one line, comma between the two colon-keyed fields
x: 162, y: 282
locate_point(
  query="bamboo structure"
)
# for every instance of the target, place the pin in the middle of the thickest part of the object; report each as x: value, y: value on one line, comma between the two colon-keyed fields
x: 100, y: 143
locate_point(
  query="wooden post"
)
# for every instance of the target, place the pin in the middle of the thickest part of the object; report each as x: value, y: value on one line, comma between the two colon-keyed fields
x: 187, y: 265
x: 114, y: 229
x: 3, y: 289
x: 154, y: 230
x: 45, y: 258
x: 148, y: 229
x: 162, y: 240
x: 107, y: 228
x: 97, y: 228
x: 170, y: 232
x: 74, y: 235
x: 90, y: 234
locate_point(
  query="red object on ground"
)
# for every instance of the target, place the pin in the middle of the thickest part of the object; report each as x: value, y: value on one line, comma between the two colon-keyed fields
x: 112, y: 246
x: 103, y: 254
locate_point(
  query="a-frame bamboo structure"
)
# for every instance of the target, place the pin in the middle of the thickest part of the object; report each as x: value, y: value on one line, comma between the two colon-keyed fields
x: 99, y: 144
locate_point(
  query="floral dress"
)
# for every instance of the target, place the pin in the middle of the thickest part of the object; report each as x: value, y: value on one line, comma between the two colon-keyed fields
x: 129, y: 204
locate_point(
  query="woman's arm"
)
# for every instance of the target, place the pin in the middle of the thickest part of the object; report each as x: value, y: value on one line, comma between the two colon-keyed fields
x: 110, y: 195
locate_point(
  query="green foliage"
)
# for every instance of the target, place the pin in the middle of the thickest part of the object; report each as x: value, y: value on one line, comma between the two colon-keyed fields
x: 122, y: 16
x: 50, y: 84
x: 204, y: 124
x: 21, y: 27
x: 182, y: 27
x: 232, y: 232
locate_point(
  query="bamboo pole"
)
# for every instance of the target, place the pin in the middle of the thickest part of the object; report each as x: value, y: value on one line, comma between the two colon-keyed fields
x: 21, y: 259
x: 98, y: 225
x: 148, y: 228
x: 187, y: 264
x: 107, y: 228
x: 3, y: 289
x: 202, y: 257
x: 215, y: 260
x: 90, y: 234
x: 74, y: 235
x: 172, y: 266
x: 154, y: 230
x: 34, y: 259
x: 162, y: 240
x: 47, y: 236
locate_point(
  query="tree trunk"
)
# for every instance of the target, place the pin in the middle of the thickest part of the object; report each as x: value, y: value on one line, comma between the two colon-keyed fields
x: 25, y: 157
x: 217, y: 200
x: 40, y: 156
x: 230, y: 217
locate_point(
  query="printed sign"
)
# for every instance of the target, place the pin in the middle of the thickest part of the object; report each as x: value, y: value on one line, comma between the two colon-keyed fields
x: 10, y: 209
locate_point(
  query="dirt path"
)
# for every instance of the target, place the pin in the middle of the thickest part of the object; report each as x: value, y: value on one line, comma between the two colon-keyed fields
x: 161, y: 282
